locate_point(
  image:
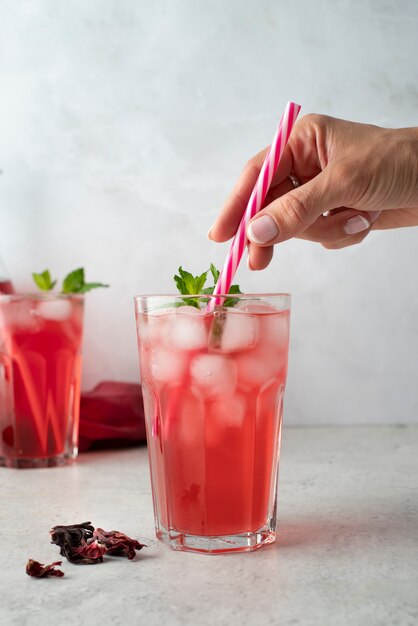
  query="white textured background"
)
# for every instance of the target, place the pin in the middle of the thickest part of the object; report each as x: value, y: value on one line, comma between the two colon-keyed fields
x: 123, y: 125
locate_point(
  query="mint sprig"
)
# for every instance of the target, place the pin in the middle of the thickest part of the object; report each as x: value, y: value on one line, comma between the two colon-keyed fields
x: 74, y: 282
x: 189, y: 285
x: 44, y: 281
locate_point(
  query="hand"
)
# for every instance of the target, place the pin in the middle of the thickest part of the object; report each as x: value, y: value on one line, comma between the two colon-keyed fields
x: 354, y: 178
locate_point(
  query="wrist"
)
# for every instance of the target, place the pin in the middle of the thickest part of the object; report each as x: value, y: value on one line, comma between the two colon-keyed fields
x: 406, y: 148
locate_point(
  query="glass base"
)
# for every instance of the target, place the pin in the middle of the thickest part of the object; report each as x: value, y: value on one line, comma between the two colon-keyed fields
x: 224, y: 544
x: 26, y: 463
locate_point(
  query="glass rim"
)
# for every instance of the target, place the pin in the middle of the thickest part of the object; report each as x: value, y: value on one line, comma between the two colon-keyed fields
x: 14, y: 297
x: 283, y: 294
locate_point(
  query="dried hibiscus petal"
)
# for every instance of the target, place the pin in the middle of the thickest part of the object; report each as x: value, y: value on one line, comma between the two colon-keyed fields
x: 70, y: 538
x: 118, y: 543
x: 38, y: 570
x: 88, y: 553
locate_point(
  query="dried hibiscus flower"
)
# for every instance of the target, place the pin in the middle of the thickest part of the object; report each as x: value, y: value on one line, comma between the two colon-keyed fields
x: 73, y: 542
x: 118, y: 543
x: 83, y: 544
x: 38, y: 570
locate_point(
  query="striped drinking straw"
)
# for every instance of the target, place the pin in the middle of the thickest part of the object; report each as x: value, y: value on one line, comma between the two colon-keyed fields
x: 255, y: 202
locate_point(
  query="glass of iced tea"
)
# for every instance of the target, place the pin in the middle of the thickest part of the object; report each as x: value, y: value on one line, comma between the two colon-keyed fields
x: 40, y: 371
x: 213, y: 387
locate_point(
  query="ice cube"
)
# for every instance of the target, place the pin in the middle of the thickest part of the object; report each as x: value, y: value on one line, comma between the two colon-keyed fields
x: 222, y: 416
x: 188, y: 310
x: 214, y: 374
x: 156, y: 313
x: 186, y: 329
x: 20, y: 315
x: 275, y: 329
x: 165, y: 365
x: 260, y: 366
x: 251, y: 306
x: 151, y: 326
x: 187, y: 418
x: 54, y: 310
x: 274, y: 324
x: 237, y: 331
x: 230, y: 411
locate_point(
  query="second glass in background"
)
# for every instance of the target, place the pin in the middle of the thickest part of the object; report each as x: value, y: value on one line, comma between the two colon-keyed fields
x: 40, y: 375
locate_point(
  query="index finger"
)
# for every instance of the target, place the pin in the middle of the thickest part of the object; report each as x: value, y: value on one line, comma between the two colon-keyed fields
x: 227, y: 222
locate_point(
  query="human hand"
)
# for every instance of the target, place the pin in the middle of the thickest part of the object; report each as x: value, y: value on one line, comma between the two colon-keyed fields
x: 353, y: 178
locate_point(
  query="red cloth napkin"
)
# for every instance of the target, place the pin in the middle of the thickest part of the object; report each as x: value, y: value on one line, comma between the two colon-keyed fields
x: 111, y: 416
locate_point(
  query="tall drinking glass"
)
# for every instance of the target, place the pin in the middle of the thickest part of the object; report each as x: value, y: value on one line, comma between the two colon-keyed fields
x: 40, y: 371
x: 213, y: 387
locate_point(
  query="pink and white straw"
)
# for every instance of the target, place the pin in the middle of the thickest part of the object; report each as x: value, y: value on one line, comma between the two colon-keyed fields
x: 255, y: 202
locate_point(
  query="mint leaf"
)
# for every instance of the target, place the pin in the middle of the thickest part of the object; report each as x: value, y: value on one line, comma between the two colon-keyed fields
x: 199, y: 282
x: 180, y: 284
x: 215, y: 273
x: 43, y: 280
x: 232, y: 301
x: 188, y: 280
x: 187, y: 284
x: 74, y: 283
x: 89, y: 286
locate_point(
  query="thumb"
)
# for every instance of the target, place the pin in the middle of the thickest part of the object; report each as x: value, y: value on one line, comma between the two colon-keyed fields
x: 291, y: 214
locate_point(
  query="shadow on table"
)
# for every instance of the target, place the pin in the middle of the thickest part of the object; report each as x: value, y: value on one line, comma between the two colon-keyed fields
x: 390, y: 522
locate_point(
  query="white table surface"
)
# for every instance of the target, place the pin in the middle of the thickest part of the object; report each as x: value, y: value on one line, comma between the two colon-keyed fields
x: 346, y: 553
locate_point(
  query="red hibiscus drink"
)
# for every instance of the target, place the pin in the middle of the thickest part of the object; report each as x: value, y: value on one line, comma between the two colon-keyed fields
x: 40, y: 369
x: 213, y: 387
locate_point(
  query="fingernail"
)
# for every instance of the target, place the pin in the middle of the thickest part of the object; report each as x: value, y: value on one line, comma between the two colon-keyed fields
x: 209, y: 232
x: 373, y: 215
x: 262, y: 230
x: 356, y: 225
x: 250, y: 267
